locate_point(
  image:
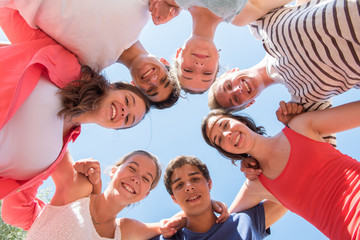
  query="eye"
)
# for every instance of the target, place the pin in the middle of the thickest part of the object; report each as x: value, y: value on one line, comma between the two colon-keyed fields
x: 163, y: 80
x: 236, y: 99
x: 127, y: 119
x: 187, y: 70
x: 150, y: 89
x: 146, y: 179
x: 208, y: 73
x: 127, y: 101
x: 132, y: 169
x: 226, y: 125
x: 195, y: 179
x: 228, y: 85
x: 179, y: 186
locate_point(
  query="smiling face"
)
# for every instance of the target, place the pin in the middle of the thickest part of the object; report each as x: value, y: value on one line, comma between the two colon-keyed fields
x: 198, y: 64
x: 191, y: 190
x: 151, y: 77
x: 229, y: 134
x: 120, y: 109
x: 132, y: 180
x: 236, y: 89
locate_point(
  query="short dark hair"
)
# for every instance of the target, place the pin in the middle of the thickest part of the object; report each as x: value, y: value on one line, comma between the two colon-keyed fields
x: 248, y: 121
x: 180, y: 161
x: 173, y: 96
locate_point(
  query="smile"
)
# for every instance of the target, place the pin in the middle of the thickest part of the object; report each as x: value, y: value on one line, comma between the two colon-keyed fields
x: 237, y: 140
x: 248, y: 89
x: 128, y: 188
x: 113, y: 111
x: 148, y: 73
x: 193, y: 198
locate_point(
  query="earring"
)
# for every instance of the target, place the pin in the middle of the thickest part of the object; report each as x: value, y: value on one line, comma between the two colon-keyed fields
x: 219, y: 50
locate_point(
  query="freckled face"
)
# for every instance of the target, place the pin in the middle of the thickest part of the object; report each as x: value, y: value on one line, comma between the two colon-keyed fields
x: 191, y: 190
x: 120, y: 109
x: 198, y: 64
x: 229, y: 134
x: 132, y: 180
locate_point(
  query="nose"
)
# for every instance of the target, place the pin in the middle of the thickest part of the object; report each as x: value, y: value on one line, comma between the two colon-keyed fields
x: 124, y: 111
x: 238, y: 89
x: 189, y: 187
x: 198, y: 64
x: 227, y: 135
x: 135, y: 179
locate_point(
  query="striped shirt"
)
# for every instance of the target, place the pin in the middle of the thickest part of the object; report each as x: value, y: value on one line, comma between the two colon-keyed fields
x: 314, y: 48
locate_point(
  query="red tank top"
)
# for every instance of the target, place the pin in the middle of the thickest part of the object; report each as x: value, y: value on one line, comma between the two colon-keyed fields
x: 320, y: 184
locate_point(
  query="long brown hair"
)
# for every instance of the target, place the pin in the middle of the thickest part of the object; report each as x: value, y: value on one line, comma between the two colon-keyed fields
x: 83, y: 95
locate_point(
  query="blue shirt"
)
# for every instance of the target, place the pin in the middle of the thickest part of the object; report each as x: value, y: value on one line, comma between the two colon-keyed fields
x: 246, y: 225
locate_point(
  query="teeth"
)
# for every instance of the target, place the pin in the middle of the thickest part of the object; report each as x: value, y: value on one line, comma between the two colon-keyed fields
x: 246, y: 86
x: 148, y: 73
x: 113, y: 111
x: 193, y: 198
x: 237, y: 139
x: 128, y: 188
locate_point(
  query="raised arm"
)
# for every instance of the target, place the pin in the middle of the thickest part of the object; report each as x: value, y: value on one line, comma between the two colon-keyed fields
x: 70, y: 185
x: 251, y: 194
x: 333, y: 120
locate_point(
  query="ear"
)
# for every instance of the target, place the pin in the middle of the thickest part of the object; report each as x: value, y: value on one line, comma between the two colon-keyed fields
x: 250, y: 103
x: 178, y: 51
x: 132, y: 83
x: 113, y: 171
x: 174, y: 199
x: 210, y: 184
x: 163, y: 61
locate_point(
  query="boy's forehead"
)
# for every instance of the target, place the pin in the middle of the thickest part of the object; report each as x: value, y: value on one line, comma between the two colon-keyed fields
x: 185, y: 170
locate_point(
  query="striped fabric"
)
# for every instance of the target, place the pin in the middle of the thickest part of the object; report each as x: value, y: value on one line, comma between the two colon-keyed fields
x: 313, y: 49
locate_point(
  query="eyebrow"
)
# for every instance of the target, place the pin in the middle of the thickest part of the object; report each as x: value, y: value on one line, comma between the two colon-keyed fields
x: 190, y: 174
x: 137, y: 164
x: 207, y: 80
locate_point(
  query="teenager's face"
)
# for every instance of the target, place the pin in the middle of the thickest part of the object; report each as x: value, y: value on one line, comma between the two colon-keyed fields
x: 120, y: 109
x: 131, y: 181
x: 236, y: 89
x: 198, y: 64
x: 229, y: 134
x: 191, y: 190
x: 151, y: 77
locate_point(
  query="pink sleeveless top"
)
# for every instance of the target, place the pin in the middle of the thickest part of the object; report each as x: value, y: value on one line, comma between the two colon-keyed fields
x: 320, y: 184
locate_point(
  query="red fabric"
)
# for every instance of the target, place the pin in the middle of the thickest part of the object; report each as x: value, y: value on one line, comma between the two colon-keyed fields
x: 22, y: 63
x: 320, y: 184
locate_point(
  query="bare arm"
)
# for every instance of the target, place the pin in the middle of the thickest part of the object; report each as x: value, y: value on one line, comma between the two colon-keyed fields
x: 318, y: 123
x: 251, y: 194
x: 133, y: 229
x: 69, y: 184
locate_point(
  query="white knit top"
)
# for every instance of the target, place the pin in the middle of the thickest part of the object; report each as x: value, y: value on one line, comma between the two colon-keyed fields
x: 71, y: 221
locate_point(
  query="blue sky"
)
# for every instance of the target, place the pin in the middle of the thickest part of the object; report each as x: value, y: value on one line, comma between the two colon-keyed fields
x: 175, y: 131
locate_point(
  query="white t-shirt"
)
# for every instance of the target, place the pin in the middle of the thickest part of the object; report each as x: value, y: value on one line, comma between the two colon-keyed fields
x: 96, y: 31
x: 32, y: 139
x: 71, y: 221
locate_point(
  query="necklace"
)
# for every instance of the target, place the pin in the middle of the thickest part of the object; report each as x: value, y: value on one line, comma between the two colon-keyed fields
x: 92, y: 215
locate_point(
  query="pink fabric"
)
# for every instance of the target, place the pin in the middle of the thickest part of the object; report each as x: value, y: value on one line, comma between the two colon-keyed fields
x: 22, y: 63
x: 320, y: 184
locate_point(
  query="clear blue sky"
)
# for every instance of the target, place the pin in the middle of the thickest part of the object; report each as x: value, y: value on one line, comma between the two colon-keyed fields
x: 171, y: 132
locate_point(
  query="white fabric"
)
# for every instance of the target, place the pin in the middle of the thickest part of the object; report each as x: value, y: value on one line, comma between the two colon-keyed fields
x: 32, y: 139
x: 97, y: 31
x: 313, y: 49
x: 71, y: 221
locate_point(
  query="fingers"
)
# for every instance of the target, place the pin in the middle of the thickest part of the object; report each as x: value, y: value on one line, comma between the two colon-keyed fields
x: 224, y: 213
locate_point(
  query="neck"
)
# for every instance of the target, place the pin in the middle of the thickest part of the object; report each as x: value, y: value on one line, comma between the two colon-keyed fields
x: 130, y: 54
x: 201, y: 223
x: 103, y: 212
x: 204, y: 22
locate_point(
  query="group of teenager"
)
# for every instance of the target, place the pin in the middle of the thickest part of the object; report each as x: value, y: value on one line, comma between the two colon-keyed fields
x: 56, y: 52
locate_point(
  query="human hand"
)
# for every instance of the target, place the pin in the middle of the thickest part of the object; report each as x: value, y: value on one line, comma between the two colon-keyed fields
x: 250, y: 167
x: 220, y: 207
x: 287, y: 111
x: 90, y: 168
x: 170, y: 226
x: 162, y: 11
